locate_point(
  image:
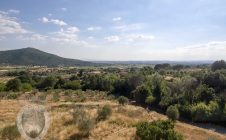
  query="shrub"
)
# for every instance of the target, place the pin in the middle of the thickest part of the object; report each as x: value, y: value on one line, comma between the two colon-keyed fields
x: 123, y: 100
x: 26, y: 87
x: 85, y: 125
x: 104, y: 113
x: 158, y: 130
x: 72, y: 85
x: 56, y: 97
x: 2, y: 87
x: 78, y: 114
x: 13, y: 95
x: 47, y: 83
x: 13, y: 85
x: 149, y: 100
x: 200, y: 112
x: 10, y: 132
x: 172, y: 112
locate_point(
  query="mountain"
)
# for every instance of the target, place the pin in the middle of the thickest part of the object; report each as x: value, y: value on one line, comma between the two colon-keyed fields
x: 35, y: 57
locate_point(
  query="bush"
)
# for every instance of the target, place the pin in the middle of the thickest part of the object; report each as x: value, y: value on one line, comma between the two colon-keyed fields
x: 123, y: 100
x: 2, y: 87
x: 26, y: 87
x: 72, y: 85
x: 10, y: 132
x: 158, y: 130
x: 47, y: 83
x: 149, y: 100
x: 85, y: 125
x: 104, y: 113
x: 200, y: 112
x: 13, y: 85
x: 172, y: 112
x: 78, y: 114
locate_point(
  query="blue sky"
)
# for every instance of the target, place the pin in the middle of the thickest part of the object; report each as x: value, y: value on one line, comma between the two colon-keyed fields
x: 117, y: 29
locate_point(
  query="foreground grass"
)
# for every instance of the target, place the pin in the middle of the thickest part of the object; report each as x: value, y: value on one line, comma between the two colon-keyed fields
x: 119, y: 125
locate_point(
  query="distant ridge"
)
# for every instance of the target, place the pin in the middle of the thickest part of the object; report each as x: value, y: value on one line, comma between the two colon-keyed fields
x: 34, y: 57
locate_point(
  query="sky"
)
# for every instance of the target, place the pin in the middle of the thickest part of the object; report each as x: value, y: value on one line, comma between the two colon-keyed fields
x: 117, y: 29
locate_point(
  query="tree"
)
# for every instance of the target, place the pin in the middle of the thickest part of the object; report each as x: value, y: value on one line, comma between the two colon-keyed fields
x: 72, y: 85
x: 141, y: 93
x: 172, y: 112
x: 217, y: 65
x: 162, y: 66
x: 13, y: 85
x: 200, y: 112
x: 47, y: 83
x: 205, y: 94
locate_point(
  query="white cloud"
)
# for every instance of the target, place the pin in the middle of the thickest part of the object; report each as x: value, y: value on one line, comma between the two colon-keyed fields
x: 13, y: 11
x: 33, y: 37
x: 45, y: 20
x: 58, y: 22
x: 10, y: 25
x: 129, y: 27
x: 139, y: 37
x: 112, y: 38
x: 130, y: 38
x: 94, y: 28
x: 117, y: 19
x: 64, y: 9
x: 68, y: 36
x: 213, y: 50
x: 54, y: 21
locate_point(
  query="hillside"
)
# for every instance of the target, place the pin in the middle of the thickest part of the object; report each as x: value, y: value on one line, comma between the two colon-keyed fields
x: 32, y: 56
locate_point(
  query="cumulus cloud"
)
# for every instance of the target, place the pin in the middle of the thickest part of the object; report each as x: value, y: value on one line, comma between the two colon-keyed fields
x: 94, y: 28
x: 10, y: 25
x: 112, y: 38
x: 68, y: 36
x: 54, y: 21
x: 116, y: 19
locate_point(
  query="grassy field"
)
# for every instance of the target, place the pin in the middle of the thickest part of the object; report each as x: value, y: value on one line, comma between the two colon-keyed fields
x: 120, y: 125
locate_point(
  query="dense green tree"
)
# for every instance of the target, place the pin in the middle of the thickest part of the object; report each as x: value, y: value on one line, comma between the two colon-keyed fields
x: 217, y: 65
x: 72, y: 85
x: 47, y: 83
x: 141, y: 93
x: 162, y: 66
x: 13, y: 85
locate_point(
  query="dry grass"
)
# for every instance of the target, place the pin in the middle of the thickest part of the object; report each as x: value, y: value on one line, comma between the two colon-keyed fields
x: 119, y: 126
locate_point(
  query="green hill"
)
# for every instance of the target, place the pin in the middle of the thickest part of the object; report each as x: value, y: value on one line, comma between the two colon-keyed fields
x: 35, y: 57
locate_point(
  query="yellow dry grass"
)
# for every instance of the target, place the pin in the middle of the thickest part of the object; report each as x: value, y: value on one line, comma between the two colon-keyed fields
x: 119, y: 126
